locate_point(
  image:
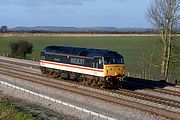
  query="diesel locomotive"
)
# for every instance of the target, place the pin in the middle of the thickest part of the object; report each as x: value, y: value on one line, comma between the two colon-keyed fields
x: 96, y: 67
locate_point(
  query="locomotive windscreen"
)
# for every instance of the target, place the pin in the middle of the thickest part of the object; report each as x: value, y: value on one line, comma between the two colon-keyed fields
x: 113, y: 60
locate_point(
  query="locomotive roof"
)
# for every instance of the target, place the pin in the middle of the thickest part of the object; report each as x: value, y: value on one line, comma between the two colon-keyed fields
x: 76, y: 51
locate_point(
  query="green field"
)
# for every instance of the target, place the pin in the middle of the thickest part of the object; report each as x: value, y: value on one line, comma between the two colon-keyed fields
x: 131, y: 47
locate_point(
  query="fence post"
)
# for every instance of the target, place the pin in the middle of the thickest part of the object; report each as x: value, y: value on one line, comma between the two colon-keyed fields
x: 128, y: 74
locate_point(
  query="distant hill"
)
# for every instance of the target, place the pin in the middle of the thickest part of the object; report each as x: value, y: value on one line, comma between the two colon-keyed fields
x: 84, y: 29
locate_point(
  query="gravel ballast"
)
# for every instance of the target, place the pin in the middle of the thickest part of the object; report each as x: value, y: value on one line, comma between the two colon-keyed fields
x: 105, y: 108
x: 110, y: 109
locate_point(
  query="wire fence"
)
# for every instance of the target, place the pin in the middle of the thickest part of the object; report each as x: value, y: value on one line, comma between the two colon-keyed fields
x: 26, y: 58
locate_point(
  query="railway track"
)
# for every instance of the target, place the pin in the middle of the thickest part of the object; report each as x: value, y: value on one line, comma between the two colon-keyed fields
x: 155, y: 89
x: 178, y: 86
x: 141, y: 96
x: 166, y: 91
x: 126, y: 92
x: 106, y: 95
x: 151, y: 98
x: 24, y: 63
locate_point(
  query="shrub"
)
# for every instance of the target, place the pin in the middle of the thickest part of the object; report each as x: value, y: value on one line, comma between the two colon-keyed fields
x: 20, y: 48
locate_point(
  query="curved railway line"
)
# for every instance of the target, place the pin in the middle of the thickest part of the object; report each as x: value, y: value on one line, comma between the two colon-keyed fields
x: 105, y: 95
x: 141, y: 96
x: 130, y: 93
x: 157, y: 89
x: 178, y: 86
x: 31, y: 65
x: 166, y: 91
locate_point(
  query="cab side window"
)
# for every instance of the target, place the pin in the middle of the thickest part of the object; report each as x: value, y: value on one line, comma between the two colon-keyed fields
x: 99, y: 63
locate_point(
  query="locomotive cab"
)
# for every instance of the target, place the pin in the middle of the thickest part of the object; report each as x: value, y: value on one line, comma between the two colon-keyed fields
x: 114, y: 68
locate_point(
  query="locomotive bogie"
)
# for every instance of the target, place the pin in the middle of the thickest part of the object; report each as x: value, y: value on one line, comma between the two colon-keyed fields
x: 83, y: 78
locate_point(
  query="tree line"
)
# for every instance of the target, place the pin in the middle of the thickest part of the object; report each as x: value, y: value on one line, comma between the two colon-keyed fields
x: 4, y: 29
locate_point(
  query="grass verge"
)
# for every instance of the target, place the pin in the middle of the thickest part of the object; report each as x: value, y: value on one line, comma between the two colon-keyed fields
x: 11, y: 112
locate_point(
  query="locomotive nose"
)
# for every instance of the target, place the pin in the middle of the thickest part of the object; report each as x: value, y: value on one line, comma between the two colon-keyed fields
x: 114, y: 70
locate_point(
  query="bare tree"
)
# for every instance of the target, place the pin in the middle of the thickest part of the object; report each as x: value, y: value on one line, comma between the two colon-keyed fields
x: 4, y: 28
x: 165, y: 16
x: 148, y: 64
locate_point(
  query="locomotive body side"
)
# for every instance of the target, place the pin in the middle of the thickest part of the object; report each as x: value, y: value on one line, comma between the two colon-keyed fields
x: 72, y: 64
x: 93, y: 70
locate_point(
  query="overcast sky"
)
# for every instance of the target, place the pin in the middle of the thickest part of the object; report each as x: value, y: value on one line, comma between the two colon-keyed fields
x: 74, y: 13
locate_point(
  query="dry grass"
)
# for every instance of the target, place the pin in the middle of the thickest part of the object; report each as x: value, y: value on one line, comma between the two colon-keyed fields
x: 72, y: 35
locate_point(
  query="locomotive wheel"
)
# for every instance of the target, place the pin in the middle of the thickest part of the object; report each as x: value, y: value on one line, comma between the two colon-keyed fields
x: 109, y: 81
x: 87, y: 81
x: 92, y: 82
x: 79, y: 77
x: 72, y: 75
x: 95, y: 81
x: 55, y: 75
x: 101, y: 83
x: 49, y: 73
x: 43, y: 70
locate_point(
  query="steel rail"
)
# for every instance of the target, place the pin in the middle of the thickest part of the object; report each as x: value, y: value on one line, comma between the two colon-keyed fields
x: 143, y: 96
x: 156, y: 89
x: 147, y: 108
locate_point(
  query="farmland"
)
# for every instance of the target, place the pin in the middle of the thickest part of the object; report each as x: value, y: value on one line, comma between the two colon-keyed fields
x: 131, y: 47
